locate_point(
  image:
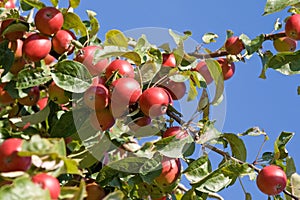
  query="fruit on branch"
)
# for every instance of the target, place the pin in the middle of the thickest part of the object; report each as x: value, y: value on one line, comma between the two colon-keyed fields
x: 86, y: 57
x: 171, y: 168
x: 47, y: 182
x: 292, y: 27
x: 202, y: 68
x: 57, y: 94
x: 11, y: 35
x: 16, y: 47
x: 17, y: 66
x: 139, y: 122
x: 9, y: 158
x: 36, y: 47
x: 234, y: 45
x: 62, y: 42
x: 94, y: 191
x: 49, y: 59
x: 285, y: 44
x: 42, y: 103
x: 228, y: 68
x: 96, y: 97
x: 32, y: 97
x: 48, y: 20
x: 177, y: 90
x: 177, y: 131
x: 154, y: 101
x: 102, y: 120
x: 168, y: 60
x: 5, y: 98
x: 271, y: 180
x: 124, y: 68
x: 9, y: 4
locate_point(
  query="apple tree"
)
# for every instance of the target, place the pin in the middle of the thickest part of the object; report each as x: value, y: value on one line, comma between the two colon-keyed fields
x: 84, y: 117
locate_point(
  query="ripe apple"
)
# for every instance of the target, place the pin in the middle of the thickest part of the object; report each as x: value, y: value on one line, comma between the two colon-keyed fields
x: 177, y: 90
x: 62, y: 42
x: 36, y: 47
x: 57, y: 94
x: 5, y: 98
x: 123, y: 67
x: 47, y: 182
x: 271, y: 180
x: 11, y: 35
x: 161, y: 198
x: 86, y: 57
x: 171, y: 168
x: 285, y: 44
x: 16, y: 47
x: 94, y: 191
x: 42, y: 103
x: 292, y: 27
x: 48, y: 20
x: 234, y: 45
x: 228, y: 69
x: 99, y: 80
x: 202, y: 68
x: 32, y: 97
x: 17, y: 66
x: 9, y: 4
x: 96, y: 97
x: 175, y: 130
x: 168, y: 60
x: 102, y: 120
x: 154, y: 101
x: 9, y: 158
x: 49, y: 59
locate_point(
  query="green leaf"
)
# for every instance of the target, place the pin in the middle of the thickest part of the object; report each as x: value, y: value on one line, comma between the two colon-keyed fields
x: 290, y: 167
x: 217, y: 75
x: 298, y: 90
x: 54, y: 3
x: 106, y: 175
x: 71, y: 76
x: 151, y: 169
x: 65, y: 126
x: 73, y: 21
x: 129, y: 164
x: 204, y: 101
x: 265, y: 57
x: 286, y: 63
x: 208, y: 132
x: 209, y: 38
x: 16, y: 26
x: 74, y: 3
x: 254, y: 131
x: 95, y: 26
x: 70, y: 166
x: 117, y: 195
x: 280, y: 143
x: 252, y: 45
x: 198, y: 169
x: 116, y: 38
x: 179, y: 39
x: 23, y: 189
x: 148, y: 70
x: 6, y: 57
x: 29, y: 77
x: 193, y: 93
x: 277, y: 5
x: 34, y: 3
x: 295, y: 184
x: 237, y: 145
x: 277, y: 24
x: 248, y: 196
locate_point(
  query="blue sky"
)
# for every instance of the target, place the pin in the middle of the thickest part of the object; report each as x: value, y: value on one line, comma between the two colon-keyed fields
x: 271, y: 104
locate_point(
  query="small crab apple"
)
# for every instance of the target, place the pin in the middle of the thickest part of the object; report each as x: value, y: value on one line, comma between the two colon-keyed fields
x: 171, y: 168
x: 9, y: 158
x: 62, y: 41
x: 16, y: 47
x: 49, y: 59
x: 177, y: 90
x: 57, y: 94
x: 96, y: 97
x: 42, y: 103
x: 47, y: 182
x: 32, y: 97
x: 285, y: 44
x: 94, y: 191
x: 271, y: 180
x: 48, y: 20
x: 234, y: 45
x: 124, y: 68
x: 9, y: 4
x: 154, y: 101
x: 86, y: 57
x: 168, y: 60
x: 102, y: 120
x: 5, y: 98
x: 177, y: 131
x: 11, y: 35
x: 228, y: 68
x: 202, y: 68
x: 36, y: 47
x: 139, y: 122
x: 292, y: 27
x: 17, y: 66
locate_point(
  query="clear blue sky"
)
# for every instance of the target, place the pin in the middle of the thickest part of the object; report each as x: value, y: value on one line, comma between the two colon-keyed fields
x: 271, y: 104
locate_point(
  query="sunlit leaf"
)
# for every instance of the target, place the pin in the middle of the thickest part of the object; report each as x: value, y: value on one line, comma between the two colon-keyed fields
x: 73, y: 21
x: 280, y: 145
x: 198, y: 169
x: 277, y: 5
x: 116, y: 38
x: 295, y: 184
x: 237, y: 146
x: 35, y: 3
x: 74, y: 3
x: 32, y: 77
x: 209, y: 38
x: 95, y: 26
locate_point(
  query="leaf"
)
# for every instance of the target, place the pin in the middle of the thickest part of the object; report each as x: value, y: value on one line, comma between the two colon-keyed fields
x: 204, y: 101
x: 265, y: 57
x: 73, y: 21
x: 23, y: 189
x: 65, y: 126
x: 106, y: 175
x: 286, y: 63
x: 179, y: 39
x: 6, y: 57
x: 198, y: 169
x: 29, y: 77
x: 209, y: 38
x: 74, y: 3
x: 290, y: 167
x: 295, y: 184
x: 280, y: 143
x: 15, y: 26
x: 277, y: 5
x: 193, y: 93
x: 71, y: 76
x: 252, y: 45
x: 129, y: 164
x: 208, y: 132
x: 151, y: 169
x: 95, y: 26
x: 70, y: 166
x: 217, y: 75
x: 248, y: 196
x: 277, y: 24
x: 34, y: 3
x: 54, y: 3
x: 148, y: 70
x: 116, y: 38
x: 237, y: 146
x: 117, y: 195
x: 254, y: 131
x: 35, y: 118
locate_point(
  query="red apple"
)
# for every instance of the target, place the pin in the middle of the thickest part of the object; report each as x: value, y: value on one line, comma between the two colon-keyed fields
x: 94, y: 191
x: 228, y: 69
x: 285, y: 44
x: 16, y: 47
x: 42, y: 103
x: 203, y: 70
x: 96, y: 97
x: 62, y: 42
x: 49, y: 59
x: 139, y: 122
x: 9, y: 4
x: 175, y: 130
x: 48, y: 182
x: 9, y: 158
x: 12, y: 34
x: 123, y: 67
x: 17, y: 66
x: 168, y: 60
x: 177, y: 90
x: 86, y: 57
x: 171, y: 168
x: 48, y: 20
x: 234, y: 45
x: 32, y: 97
x: 102, y: 120
x: 292, y: 27
x: 36, y: 47
x: 57, y: 94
